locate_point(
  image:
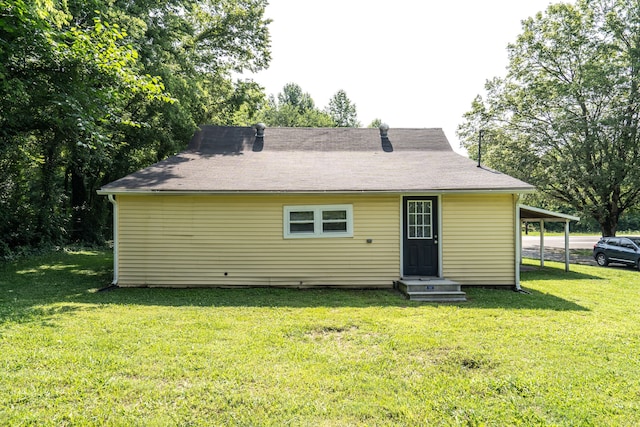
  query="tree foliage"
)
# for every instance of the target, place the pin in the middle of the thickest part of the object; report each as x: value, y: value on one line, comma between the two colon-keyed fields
x: 342, y: 111
x: 93, y: 90
x: 293, y: 108
x: 565, y: 117
x: 375, y: 123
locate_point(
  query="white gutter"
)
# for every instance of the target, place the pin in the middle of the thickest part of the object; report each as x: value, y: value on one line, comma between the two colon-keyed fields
x: 113, y: 201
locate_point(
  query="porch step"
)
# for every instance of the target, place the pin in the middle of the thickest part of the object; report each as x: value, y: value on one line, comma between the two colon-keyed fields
x: 431, y: 289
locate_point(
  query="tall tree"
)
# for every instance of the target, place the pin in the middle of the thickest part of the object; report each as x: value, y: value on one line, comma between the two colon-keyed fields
x: 293, y: 108
x: 566, y: 116
x: 293, y: 95
x: 343, y: 111
x: 92, y: 90
x: 64, y: 87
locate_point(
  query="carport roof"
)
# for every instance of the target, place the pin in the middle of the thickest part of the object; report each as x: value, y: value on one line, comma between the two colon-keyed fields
x: 530, y: 214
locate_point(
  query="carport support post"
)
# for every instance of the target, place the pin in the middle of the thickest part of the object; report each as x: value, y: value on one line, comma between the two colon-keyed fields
x: 566, y: 245
x: 542, y: 243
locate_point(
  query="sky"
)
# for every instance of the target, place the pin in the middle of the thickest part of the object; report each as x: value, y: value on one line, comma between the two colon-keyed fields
x: 410, y: 63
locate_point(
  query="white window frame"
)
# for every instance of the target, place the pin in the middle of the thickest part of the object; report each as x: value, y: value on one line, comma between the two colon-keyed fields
x: 317, y: 221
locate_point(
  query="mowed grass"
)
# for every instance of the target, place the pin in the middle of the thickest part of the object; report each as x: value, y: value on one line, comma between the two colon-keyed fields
x: 567, y: 353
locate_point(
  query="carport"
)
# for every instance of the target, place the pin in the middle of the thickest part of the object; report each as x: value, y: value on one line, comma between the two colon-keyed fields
x: 530, y: 214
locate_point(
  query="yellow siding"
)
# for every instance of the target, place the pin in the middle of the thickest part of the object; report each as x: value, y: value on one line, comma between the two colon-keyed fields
x: 478, y: 243
x: 169, y: 240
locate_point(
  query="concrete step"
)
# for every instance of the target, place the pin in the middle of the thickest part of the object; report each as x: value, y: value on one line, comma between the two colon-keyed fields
x: 431, y: 289
x: 458, y: 296
x: 430, y: 285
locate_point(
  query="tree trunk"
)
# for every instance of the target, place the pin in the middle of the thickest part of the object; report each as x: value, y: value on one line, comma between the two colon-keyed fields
x: 608, y: 228
x: 609, y: 221
x: 46, y: 233
x: 78, y: 205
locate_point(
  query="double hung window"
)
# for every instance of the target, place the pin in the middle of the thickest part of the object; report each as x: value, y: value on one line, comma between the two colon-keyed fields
x: 318, y: 221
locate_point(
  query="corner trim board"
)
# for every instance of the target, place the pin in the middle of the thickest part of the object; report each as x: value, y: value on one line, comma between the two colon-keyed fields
x: 114, y: 202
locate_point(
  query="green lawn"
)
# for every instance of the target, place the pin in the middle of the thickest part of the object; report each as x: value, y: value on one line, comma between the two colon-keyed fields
x: 566, y: 354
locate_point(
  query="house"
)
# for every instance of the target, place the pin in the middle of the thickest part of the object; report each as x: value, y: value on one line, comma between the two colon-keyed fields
x: 309, y: 207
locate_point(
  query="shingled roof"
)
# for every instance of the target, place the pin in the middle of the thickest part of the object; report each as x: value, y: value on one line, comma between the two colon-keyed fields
x: 309, y: 160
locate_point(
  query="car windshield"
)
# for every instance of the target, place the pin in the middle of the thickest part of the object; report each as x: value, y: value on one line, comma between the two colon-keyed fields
x: 635, y: 240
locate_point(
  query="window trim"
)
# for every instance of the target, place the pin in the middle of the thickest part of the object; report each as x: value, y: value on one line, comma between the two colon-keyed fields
x: 317, y: 221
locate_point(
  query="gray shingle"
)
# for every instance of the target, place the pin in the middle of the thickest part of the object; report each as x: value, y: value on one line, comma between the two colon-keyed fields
x: 233, y: 159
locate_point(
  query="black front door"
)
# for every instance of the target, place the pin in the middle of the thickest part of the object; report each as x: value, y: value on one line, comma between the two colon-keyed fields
x: 420, y: 236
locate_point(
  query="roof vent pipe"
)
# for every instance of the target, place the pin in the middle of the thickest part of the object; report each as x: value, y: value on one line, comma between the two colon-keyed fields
x: 384, y: 137
x: 384, y: 130
x: 258, y: 144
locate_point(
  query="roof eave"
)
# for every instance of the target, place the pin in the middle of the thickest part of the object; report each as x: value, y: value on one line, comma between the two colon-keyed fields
x: 513, y: 190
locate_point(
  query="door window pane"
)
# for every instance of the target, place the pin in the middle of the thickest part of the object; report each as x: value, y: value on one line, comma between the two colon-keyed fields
x: 419, y: 219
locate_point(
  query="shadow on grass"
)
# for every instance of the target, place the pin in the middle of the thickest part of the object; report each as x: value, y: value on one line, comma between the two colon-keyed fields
x: 333, y: 298
x: 529, y: 299
x: 533, y: 272
x: 39, y: 288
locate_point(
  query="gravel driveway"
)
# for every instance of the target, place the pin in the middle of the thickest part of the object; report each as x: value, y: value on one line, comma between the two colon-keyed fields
x: 576, y: 256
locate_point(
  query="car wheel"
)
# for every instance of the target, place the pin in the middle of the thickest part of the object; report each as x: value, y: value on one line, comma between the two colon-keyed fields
x: 601, y: 259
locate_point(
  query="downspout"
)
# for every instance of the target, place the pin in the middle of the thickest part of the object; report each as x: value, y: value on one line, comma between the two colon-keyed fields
x: 518, y: 237
x: 113, y: 201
